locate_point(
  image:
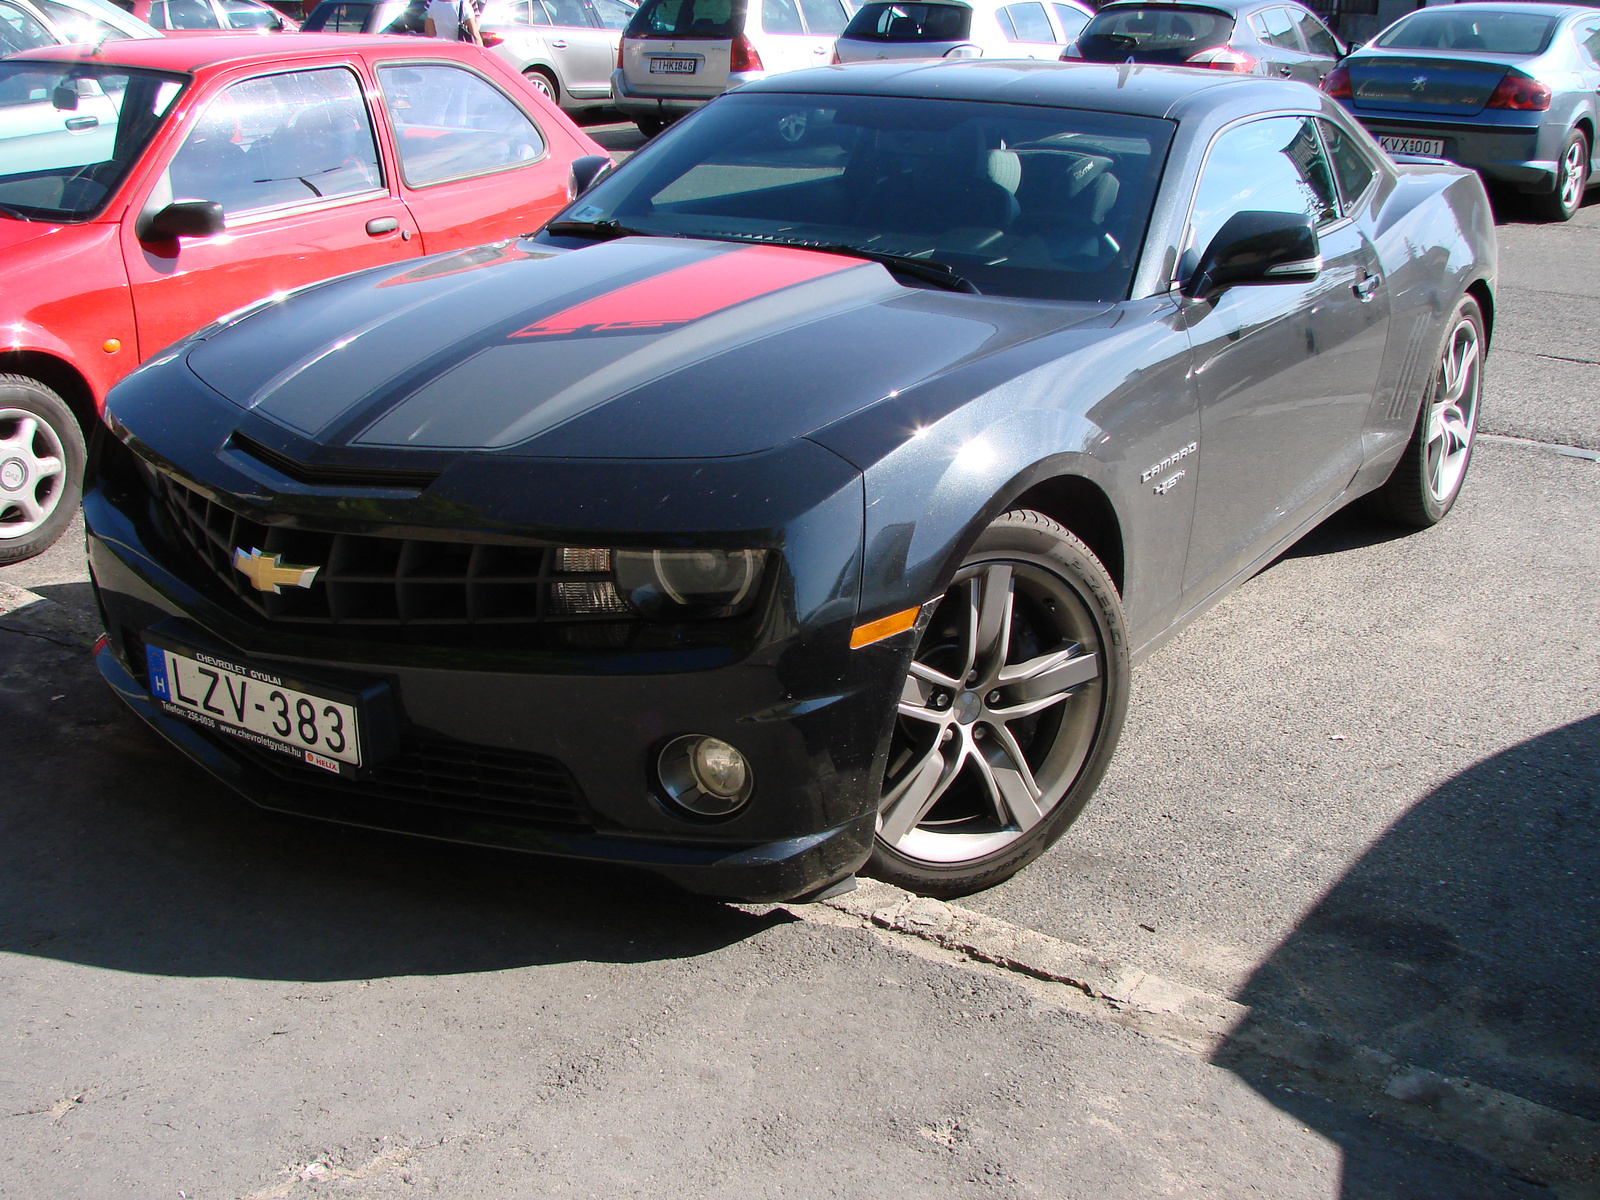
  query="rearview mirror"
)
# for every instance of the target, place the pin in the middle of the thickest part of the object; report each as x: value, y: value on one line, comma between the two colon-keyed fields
x: 184, y: 218
x: 585, y: 172
x: 1257, y: 247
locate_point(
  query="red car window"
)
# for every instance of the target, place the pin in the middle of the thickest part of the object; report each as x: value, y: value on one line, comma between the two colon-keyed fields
x: 450, y: 123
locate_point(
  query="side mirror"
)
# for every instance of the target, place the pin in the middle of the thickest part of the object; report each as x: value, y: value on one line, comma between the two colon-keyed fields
x: 64, y: 98
x: 1257, y: 247
x: 586, y: 172
x: 184, y: 218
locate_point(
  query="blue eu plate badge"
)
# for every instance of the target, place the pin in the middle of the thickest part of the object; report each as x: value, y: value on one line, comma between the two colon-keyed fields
x: 157, y: 660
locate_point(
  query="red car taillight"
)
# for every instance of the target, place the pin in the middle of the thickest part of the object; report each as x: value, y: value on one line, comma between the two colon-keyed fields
x: 742, y: 56
x: 619, y: 56
x: 490, y: 39
x: 1223, y: 58
x: 1337, y: 84
x: 1519, y: 91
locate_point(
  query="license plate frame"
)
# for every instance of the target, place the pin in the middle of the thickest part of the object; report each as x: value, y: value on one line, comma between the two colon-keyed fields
x: 217, y: 691
x: 674, y: 66
x: 1427, y: 147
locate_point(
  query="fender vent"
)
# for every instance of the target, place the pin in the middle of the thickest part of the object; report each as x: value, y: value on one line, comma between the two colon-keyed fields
x: 331, y: 475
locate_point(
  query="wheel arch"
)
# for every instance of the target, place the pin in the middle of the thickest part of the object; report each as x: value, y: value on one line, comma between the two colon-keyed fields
x: 1083, y: 508
x: 61, y: 377
x: 1479, y: 290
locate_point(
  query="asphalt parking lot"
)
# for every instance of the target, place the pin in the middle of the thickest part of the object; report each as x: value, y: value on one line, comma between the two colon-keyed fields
x: 1329, y: 929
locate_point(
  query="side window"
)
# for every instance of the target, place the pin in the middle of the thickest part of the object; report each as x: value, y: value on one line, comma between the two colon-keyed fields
x: 183, y: 14
x: 1350, y: 166
x: 345, y: 18
x: 824, y: 16
x: 403, y: 18
x: 538, y: 14
x: 1071, y: 21
x: 613, y: 14
x: 277, y: 140
x: 1276, y: 28
x: 79, y: 26
x: 450, y: 123
x: 1272, y: 165
x: 567, y: 12
x: 1318, y: 39
x: 243, y: 14
x: 19, y: 31
x: 780, y: 16
x: 1589, y: 39
x: 504, y: 12
x: 1027, y: 23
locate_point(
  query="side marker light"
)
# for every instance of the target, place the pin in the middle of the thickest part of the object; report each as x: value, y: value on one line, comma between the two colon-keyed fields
x: 884, y: 627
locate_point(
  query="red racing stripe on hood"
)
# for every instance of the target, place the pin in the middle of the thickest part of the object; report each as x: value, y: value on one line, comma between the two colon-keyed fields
x: 690, y: 292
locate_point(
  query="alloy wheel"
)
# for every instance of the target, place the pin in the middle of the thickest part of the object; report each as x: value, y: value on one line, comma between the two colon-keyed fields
x: 996, y: 717
x: 31, y: 472
x: 1572, y: 173
x: 1453, y: 411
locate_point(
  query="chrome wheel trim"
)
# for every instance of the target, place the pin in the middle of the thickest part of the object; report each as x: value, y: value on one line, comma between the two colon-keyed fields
x: 32, y: 475
x: 995, y: 722
x: 537, y: 81
x: 1453, y: 411
x: 1572, y: 176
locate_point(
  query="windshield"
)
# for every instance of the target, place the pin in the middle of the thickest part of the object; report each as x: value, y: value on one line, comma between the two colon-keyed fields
x: 911, y: 23
x: 1021, y: 201
x: 70, y: 131
x: 1160, y: 34
x: 1486, y: 32
x: 717, y: 20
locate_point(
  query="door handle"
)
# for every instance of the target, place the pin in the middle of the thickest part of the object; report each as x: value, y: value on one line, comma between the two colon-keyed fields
x: 1285, y: 70
x: 382, y: 225
x: 1367, y: 287
x: 559, y: 44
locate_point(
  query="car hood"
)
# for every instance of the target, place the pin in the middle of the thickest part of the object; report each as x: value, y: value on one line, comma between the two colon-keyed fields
x: 635, y: 348
x: 15, y: 234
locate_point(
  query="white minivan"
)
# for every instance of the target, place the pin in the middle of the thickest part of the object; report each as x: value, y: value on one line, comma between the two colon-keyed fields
x: 977, y: 29
x: 677, y: 54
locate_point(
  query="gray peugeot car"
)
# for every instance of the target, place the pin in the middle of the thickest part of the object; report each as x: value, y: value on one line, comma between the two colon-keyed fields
x: 1243, y: 37
x: 1512, y: 90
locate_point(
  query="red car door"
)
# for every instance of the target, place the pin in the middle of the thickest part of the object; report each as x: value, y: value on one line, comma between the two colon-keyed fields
x: 475, y: 166
x: 293, y: 159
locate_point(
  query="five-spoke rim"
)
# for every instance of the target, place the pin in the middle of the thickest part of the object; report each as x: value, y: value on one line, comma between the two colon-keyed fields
x: 31, y: 472
x: 997, y: 714
x: 1453, y: 410
x: 1572, y: 176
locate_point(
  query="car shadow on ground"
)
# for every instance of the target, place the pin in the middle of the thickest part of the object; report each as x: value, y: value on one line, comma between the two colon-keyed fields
x: 115, y: 852
x: 1350, y: 528
x: 1466, y: 942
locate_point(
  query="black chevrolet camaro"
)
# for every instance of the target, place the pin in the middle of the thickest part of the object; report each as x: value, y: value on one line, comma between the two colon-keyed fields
x: 799, y: 498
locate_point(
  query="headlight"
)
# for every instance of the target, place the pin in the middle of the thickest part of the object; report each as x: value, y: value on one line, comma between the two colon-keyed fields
x: 667, y: 585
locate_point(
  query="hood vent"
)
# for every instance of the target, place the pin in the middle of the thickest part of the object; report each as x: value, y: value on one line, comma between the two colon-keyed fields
x: 332, y: 475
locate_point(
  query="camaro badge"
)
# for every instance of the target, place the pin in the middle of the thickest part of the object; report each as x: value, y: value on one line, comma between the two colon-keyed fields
x: 266, y: 573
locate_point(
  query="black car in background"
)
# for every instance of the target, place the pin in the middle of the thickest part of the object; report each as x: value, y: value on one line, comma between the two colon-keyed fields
x: 791, y: 503
x: 1257, y: 37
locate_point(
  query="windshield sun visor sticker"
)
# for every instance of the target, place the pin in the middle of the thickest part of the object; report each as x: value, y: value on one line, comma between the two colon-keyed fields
x: 690, y: 292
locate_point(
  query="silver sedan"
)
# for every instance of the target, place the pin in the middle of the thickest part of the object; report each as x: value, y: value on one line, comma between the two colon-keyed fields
x: 564, y: 48
x: 1511, y: 90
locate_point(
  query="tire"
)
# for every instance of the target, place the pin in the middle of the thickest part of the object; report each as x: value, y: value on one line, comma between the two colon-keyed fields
x: 649, y: 126
x: 41, y: 467
x: 957, y: 814
x: 1428, y: 478
x: 544, y: 83
x: 1564, y: 200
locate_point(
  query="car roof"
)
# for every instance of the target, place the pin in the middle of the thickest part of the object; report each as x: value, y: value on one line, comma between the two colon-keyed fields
x: 1138, y: 89
x: 194, y: 53
x: 1513, y: 6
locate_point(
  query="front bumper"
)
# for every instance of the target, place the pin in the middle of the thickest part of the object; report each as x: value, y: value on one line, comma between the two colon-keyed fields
x: 811, y: 716
x: 638, y: 100
x: 1509, y: 147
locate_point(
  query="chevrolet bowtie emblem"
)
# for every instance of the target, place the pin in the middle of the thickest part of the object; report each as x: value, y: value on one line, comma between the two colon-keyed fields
x: 266, y: 573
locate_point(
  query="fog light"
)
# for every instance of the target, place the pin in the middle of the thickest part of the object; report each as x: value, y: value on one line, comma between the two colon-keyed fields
x: 705, y: 775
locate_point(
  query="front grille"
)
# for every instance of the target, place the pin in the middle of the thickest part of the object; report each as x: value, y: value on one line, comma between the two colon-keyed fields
x: 366, y: 581
x: 449, y: 774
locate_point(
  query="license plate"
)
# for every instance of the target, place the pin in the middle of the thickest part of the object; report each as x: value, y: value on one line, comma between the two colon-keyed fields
x: 1432, y: 147
x: 255, y: 706
x: 673, y: 66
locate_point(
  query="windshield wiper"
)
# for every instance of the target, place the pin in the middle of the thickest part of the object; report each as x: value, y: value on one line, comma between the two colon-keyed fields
x: 13, y: 212
x: 600, y: 231
x: 924, y: 269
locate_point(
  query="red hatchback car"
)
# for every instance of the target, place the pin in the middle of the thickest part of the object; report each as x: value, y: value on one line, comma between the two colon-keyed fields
x: 148, y: 187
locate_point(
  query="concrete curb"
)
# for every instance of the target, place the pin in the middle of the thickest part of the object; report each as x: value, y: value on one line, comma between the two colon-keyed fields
x: 1539, y: 1143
